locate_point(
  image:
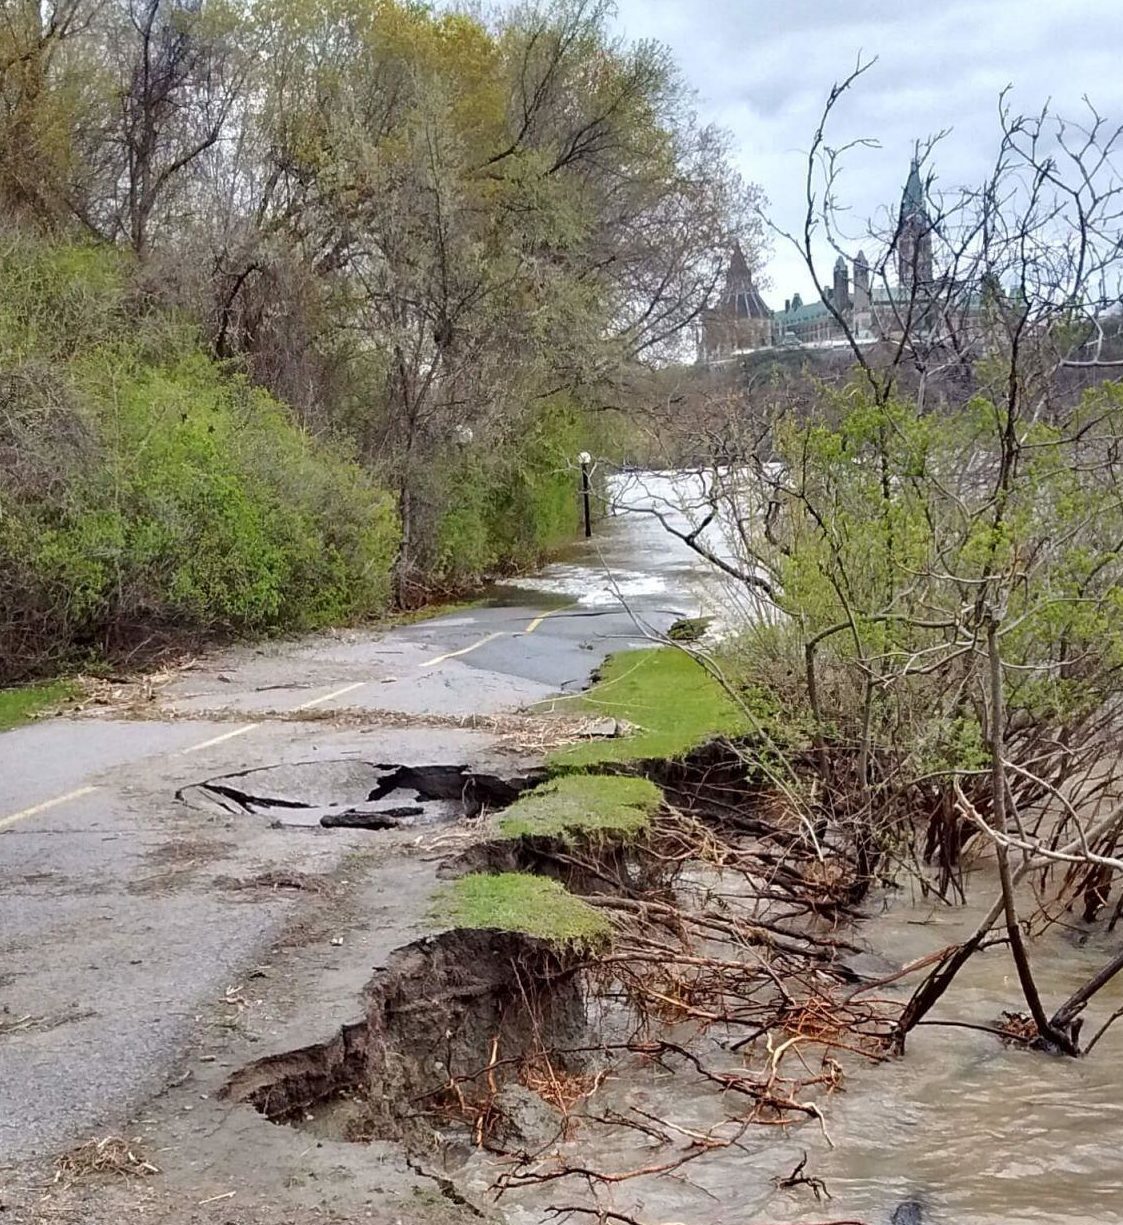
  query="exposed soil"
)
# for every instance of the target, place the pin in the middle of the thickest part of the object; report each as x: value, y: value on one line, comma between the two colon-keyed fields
x: 430, y: 1013
x: 465, y: 1042
x: 609, y: 865
x: 451, y: 1020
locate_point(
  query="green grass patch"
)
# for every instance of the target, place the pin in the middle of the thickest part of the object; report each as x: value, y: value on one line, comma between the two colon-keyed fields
x: 517, y: 902
x: 667, y: 694
x: 20, y: 705
x: 583, y: 803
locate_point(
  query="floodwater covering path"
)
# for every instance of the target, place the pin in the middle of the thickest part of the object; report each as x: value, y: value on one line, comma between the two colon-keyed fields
x: 149, y: 945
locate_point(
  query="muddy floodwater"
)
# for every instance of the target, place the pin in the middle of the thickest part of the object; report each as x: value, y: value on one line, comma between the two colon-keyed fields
x: 978, y: 1133
x: 975, y: 1132
x: 633, y: 559
x: 983, y: 1133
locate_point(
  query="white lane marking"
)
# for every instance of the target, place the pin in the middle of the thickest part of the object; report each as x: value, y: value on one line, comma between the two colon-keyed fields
x: 249, y: 727
x: 194, y: 748
x: 439, y: 659
x: 38, y: 808
x: 328, y: 696
x: 206, y: 744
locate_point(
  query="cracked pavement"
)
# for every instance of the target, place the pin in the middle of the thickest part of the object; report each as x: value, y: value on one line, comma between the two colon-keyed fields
x: 121, y: 940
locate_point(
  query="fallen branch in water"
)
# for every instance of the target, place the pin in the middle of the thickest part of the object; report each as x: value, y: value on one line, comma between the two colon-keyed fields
x: 703, y: 1143
x: 563, y: 1211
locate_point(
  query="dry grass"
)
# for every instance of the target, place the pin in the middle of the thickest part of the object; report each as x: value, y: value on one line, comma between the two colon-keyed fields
x: 187, y: 851
x: 111, y: 1156
x: 274, y: 881
x: 520, y: 732
x: 30, y: 1023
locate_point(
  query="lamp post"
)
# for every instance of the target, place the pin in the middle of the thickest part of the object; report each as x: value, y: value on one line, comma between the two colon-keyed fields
x: 585, y: 460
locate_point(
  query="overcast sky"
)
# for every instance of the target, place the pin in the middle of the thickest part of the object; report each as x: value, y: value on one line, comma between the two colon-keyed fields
x: 763, y: 69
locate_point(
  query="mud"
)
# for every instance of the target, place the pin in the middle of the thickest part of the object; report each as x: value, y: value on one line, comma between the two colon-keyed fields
x: 604, y: 864
x: 431, y: 1017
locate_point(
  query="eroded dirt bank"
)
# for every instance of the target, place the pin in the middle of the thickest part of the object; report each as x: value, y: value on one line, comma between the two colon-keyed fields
x: 432, y: 1015
x: 507, y: 1061
x: 376, y: 1067
x: 372, y: 1058
x: 724, y: 1050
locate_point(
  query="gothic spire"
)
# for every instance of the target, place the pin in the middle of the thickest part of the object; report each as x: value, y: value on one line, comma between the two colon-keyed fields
x: 912, y: 202
x: 742, y: 298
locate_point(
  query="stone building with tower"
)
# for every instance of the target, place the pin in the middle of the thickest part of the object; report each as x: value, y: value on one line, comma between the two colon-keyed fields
x: 741, y: 322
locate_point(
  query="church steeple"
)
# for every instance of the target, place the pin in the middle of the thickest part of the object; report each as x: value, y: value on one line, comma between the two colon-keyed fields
x: 912, y: 202
x: 914, y: 233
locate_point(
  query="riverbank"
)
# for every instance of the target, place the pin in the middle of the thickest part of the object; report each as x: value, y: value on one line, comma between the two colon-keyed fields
x: 318, y: 926
x: 169, y: 849
x: 105, y: 867
x: 265, y: 973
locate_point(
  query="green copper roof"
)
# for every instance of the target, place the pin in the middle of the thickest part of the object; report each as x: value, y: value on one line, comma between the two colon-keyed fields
x: 912, y: 203
x: 802, y: 313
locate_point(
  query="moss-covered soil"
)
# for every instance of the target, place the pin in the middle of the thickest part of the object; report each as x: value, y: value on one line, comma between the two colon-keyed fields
x: 585, y: 804
x: 666, y: 694
x: 518, y: 902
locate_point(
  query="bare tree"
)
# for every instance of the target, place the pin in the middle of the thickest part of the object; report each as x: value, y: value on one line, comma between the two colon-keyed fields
x: 180, y: 74
x: 936, y: 535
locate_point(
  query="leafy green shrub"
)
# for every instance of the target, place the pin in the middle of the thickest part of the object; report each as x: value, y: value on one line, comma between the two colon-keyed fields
x: 189, y: 499
x: 507, y: 503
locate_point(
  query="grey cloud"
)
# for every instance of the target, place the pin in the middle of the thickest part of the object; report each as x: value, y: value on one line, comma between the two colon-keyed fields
x: 763, y: 70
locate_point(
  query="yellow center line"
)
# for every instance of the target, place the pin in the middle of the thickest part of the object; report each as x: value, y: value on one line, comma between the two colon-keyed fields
x: 439, y: 659
x: 47, y: 804
x: 542, y: 616
x: 531, y: 627
x: 328, y: 696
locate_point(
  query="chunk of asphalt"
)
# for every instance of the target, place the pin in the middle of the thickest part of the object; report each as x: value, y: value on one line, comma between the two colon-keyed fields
x: 384, y: 818
x: 357, y: 794
x: 448, y: 783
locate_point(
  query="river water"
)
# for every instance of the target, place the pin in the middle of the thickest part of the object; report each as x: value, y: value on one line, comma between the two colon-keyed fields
x: 979, y: 1133
x: 635, y: 559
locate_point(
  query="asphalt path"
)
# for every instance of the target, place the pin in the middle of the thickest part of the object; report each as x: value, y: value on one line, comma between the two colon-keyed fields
x: 115, y: 937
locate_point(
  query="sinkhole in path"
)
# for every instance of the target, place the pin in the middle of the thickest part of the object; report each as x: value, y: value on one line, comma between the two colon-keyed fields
x: 358, y: 794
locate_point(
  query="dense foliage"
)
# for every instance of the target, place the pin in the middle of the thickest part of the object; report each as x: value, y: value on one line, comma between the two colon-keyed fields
x: 145, y: 490
x: 436, y: 242
x: 892, y: 546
